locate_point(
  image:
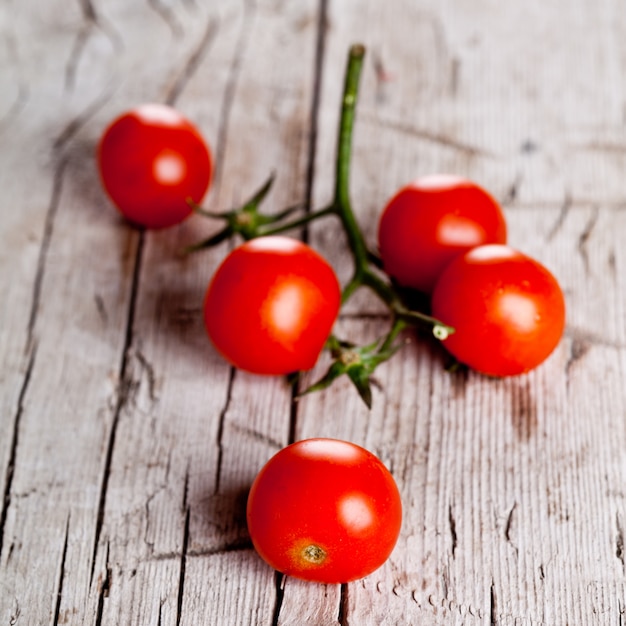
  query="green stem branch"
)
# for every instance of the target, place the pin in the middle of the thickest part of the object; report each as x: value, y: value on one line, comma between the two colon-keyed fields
x: 341, y: 200
x: 305, y: 219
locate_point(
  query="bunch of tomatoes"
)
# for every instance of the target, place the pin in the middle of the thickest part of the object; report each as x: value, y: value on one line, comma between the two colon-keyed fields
x: 323, y: 509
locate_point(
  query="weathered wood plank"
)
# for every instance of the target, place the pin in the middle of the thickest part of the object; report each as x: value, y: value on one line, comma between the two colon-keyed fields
x: 63, y: 323
x: 127, y: 445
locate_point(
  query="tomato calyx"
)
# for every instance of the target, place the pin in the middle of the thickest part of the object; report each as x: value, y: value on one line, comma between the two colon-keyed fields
x: 358, y: 363
x: 246, y: 221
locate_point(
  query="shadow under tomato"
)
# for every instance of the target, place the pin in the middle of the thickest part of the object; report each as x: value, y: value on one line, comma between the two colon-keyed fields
x: 219, y: 522
x: 523, y: 408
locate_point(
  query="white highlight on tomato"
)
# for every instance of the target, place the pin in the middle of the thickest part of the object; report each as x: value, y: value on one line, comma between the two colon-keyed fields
x: 520, y: 310
x: 329, y: 449
x: 354, y: 512
x: 286, y: 305
x: 169, y: 168
x: 159, y: 113
x: 492, y: 252
x: 438, y: 181
x: 275, y: 244
x: 459, y: 230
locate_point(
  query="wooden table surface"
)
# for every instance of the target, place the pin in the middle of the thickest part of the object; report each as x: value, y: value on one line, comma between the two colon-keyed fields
x: 127, y: 445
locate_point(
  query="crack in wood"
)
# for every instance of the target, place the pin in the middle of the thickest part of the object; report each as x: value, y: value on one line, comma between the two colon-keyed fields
x: 562, y: 216
x: 508, y: 526
x: 493, y: 604
x: 453, y: 535
x: 102, y: 595
x: 59, y: 593
x: 183, y: 566
x: 342, y: 617
x: 192, y: 63
x: 168, y: 16
x: 101, y: 308
x: 579, y: 347
x: 619, y: 542
x: 220, y: 431
x: 445, y: 580
x: 584, y: 238
x: 10, y: 467
x: 259, y: 436
x: 148, y: 368
x: 91, y: 22
x: 77, y: 122
x: 185, y: 502
x: 104, y: 586
x: 427, y: 135
x: 53, y: 207
x: 240, y: 545
x: 15, y: 613
x: 147, y: 504
x: 80, y: 43
x: 18, y: 105
x: 122, y: 396
x: 229, y: 93
x: 318, y: 69
x: 513, y: 190
x: 279, y: 584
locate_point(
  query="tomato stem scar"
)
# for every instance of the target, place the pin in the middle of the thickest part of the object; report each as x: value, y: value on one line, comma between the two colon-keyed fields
x: 314, y: 554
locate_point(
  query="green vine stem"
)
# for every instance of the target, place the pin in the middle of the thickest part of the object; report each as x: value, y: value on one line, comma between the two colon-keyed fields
x: 364, y: 275
x: 341, y: 201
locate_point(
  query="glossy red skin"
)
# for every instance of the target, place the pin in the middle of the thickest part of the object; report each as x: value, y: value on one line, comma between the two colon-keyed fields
x: 151, y: 160
x: 508, y: 310
x: 271, y: 305
x: 327, y: 493
x: 431, y: 221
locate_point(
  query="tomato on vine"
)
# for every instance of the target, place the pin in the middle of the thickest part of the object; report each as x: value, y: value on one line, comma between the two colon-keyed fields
x: 432, y: 220
x: 152, y: 160
x: 271, y: 306
x: 507, y: 309
x: 324, y: 510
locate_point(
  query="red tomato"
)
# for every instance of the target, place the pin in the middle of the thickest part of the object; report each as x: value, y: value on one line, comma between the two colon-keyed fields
x: 151, y: 160
x: 508, y: 310
x: 432, y: 220
x: 324, y: 510
x: 271, y: 306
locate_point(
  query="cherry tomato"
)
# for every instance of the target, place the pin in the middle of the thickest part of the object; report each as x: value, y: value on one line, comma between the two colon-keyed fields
x: 508, y: 310
x: 432, y: 220
x: 151, y: 160
x: 271, y: 305
x: 324, y: 510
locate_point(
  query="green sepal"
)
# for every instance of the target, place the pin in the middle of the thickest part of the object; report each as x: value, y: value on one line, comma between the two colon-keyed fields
x: 246, y: 221
x: 358, y: 363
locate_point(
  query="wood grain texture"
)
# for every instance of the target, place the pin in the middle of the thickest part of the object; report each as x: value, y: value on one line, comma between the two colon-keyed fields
x: 127, y: 445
